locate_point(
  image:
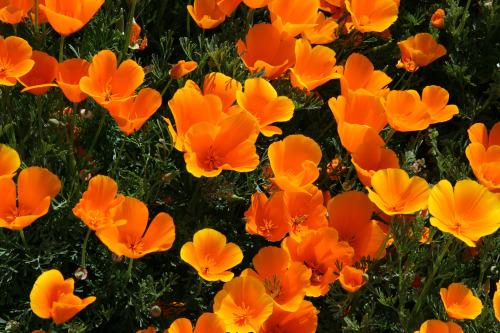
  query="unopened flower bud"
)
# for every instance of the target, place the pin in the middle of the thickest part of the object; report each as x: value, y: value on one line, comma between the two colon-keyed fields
x: 54, y: 121
x: 81, y: 273
x: 84, y: 174
x: 155, y: 311
x: 116, y: 258
x: 167, y: 178
x: 12, y: 326
x: 85, y: 114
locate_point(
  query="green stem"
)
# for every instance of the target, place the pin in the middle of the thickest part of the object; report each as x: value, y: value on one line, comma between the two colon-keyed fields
x: 23, y: 238
x: 96, y: 136
x: 84, y: 248
x: 37, y: 33
x: 399, y: 81
x: 159, y: 18
x: 71, y: 150
x: 390, y: 136
x: 118, y: 157
x: 129, y: 270
x: 39, y: 108
x: 407, y: 82
x: 463, y: 19
x: 393, y: 218
x: 326, y: 129
x: 51, y: 327
x: 129, y: 31
x: 251, y: 11
x: 166, y: 87
x: 61, y: 48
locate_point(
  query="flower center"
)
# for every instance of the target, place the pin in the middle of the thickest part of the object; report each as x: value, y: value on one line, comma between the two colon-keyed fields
x: 135, y: 246
x: 364, y: 20
x: 242, y: 315
x: 206, y: 264
x: 212, y: 159
x: 15, y: 213
x: 266, y: 227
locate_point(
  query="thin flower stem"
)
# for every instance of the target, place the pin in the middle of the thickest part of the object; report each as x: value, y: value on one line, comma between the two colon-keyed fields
x: 112, y: 175
x: 326, y: 129
x: 390, y: 136
x: 23, y: 238
x: 393, y: 219
x: 61, y: 48
x: 407, y: 82
x: 399, y: 81
x: 51, y: 327
x: 37, y: 33
x: 39, y: 108
x: 430, y: 279
x: 166, y: 87
x: 251, y: 11
x: 71, y: 150
x: 84, y: 247
x: 103, y: 118
x: 463, y: 19
x: 128, y: 31
x: 129, y: 270
x: 159, y: 18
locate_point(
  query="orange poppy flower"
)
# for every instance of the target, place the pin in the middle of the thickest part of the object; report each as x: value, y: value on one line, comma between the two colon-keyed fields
x: 294, y: 162
x: 292, y: 17
x: 15, y: 59
x: 14, y: 11
x: 36, y: 187
x: 42, y: 18
x: 39, y: 79
x: 303, y: 320
x: 438, y: 326
x: 369, y: 158
x: 351, y: 279
x: 306, y: 212
x: 358, y: 73
x: 469, y: 212
x: 360, y: 117
x: 228, y: 6
x: 268, y: 217
x: 256, y: 3
x: 222, y: 86
x: 68, y: 78
x: 52, y: 297
x: 285, y: 282
x: 436, y: 99
x: 67, y: 17
x: 9, y: 161
x: 479, y: 134
x: 460, y: 303
x: 228, y: 146
x: 437, y: 18
x: 132, y: 240
x: 372, y: 15
x: 206, y: 13
x: 133, y: 113
x: 319, y: 250
x: 95, y: 204
x: 350, y: 214
x: 313, y: 66
x: 496, y: 302
x: 406, y: 112
x: 397, y: 193
x: 106, y: 84
x: 485, y: 163
x: 324, y: 31
x: 261, y: 100
x: 209, y: 254
x: 208, y: 322
x: 265, y: 50
x: 182, y: 68
x: 419, y: 51
x: 243, y: 304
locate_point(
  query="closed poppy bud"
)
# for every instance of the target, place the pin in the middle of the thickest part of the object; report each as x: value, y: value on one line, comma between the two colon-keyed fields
x: 155, y: 311
x: 182, y: 68
x: 116, y: 258
x: 81, y: 273
x: 437, y: 19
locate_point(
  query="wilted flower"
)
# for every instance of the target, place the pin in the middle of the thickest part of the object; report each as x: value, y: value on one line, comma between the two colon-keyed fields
x: 419, y: 51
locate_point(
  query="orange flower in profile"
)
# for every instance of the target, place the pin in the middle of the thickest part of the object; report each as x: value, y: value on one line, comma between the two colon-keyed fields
x: 313, y: 66
x: 133, y: 113
x: 9, y: 162
x: 132, y: 240
x: 396, y: 193
x: 323, y: 32
x: 95, y: 204
x: 294, y: 162
x: 303, y: 320
x: 228, y: 6
x: 285, y: 282
x: 35, y: 188
x: 68, y: 78
x: 436, y: 99
x: 406, y: 112
x: 107, y: 84
x: 243, y: 304
x: 306, y: 212
x: 182, y: 68
x: 14, y: 11
x: 42, y: 18
x: 39, y: 79
x: 52, y: 297
x: 479, y: 134
x: 372, y: 15
x: 67, y: 17
x: 15, y: 59
x: 211, y: 256
x: 496, y: 302
x: 256, y: 3
x: 351, y: 279
x: 265, y: 50
x: 261, y: 100
x: 469, y: 212
x: 228, y: 146
x: 370, y: 158
x: 208, y: 322
x: 223, y: 86
x: 437, y: 18
x: 291, y: 17
x: 206, y: 13
x: 460, y: 303
x: 438, y: 326
x: 419, y: 51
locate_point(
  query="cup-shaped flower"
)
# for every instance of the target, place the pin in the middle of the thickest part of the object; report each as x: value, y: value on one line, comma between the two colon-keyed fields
x: 39, y: 79
x: 294, y: 162
x: 228, y: 146
x: 35, y: 188
x: 95, y: 205
x: 261, y: 100
x: 265, y: 50
x: 211, y: 256
x: 351, y: 278
x: 460, y: 303
x: 182, y: 68
x: 438, y: 326
x: 313, y: 66
x: 437, y: 18
x: 479, y: 134
x: 14, y: 11
x: 369, y: 158
x: 132, y: 240
x: 67, y: 17
x: 406, y: 112
x: 496, y: 302
x: 291, y: 17
x: 323, y: 32
x: 9, y: 161
x: 52, y: 297
x: 396, y: 193
x: 133, y: 113
x: 223, y: 86
x: 243, y: 304
x: 468, y: 212
x: 15, y: 59
x: 256, y: 3
x: 303, y: 320
x: 306, y: 211
x: 208, y: 322
x: 106, y: 84
x: 436, y: 99
x: 68, y: 78
x: 206, y: 13
x: 228, y: 6
x: 372, y: 15
x: 419, y: 51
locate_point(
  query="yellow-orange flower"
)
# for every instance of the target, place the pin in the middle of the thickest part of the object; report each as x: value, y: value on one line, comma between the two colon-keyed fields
x: 150, y: 329
x: 223, y: 86
x: 306, y: 212
x: 479, y: 134
x: 14, y: 11
x: 15, y: 59
x: 304, y: 320
x: 68, y: 78
x: 372, y: 15
x: 39, y: 79
x: 9, y: 161
x: 468, y: 212
x: 52, y: 297
x: 323, y: 32
x: 256, y: 3
x: 437, y: 18
x: 496, y: 302
x: 419, y: 51
x: 351, y: 278
x: 228, y: 6
x: 208, y: 322
x: 206, y: 13
x: 460, y: 303
x: 368, y: 158
x: 438, y: 326
x: 211, y: 256
x: 182, y: 68
x: 436, y: 99
x: 35, y: 189
x: 291, y: 17
x: 406, y: 112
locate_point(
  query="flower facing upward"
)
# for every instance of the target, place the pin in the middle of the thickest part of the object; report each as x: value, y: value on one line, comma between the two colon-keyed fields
x: 368, y: 158
x: 9, y: 161
x: 206, y: 13
x: 372, y: 15
x: 460, y: 303
x: 182, y: 68
x: 352, y: 279
x: 15, y: 59
x: 303, y: 320
x: 291, y: 17
x: 211, y: 256
x: 323, y: 32
x: 208, y: 322
x: 68, y: 78
x: 438, y: 326
x: 52, y: 297
x: 437, y: 18
x: 306, y: 212
x: 419, y: 51
x: 39, y: 79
